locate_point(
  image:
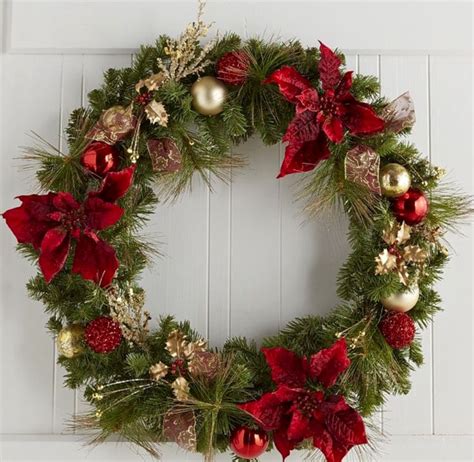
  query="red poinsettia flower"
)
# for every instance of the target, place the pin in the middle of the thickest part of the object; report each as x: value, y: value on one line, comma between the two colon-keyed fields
x: 51, y: 221
x: 295, y: 411
x: 320, y: 116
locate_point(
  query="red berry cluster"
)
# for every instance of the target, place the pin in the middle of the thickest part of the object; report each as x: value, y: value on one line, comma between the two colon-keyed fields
x: 178, y: 367
x: 144, y: 98
x: 398, y: 329
x: 103, y: 334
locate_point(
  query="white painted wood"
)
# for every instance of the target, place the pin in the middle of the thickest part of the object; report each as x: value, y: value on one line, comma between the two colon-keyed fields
x: 86, y: 25
x: 28, y: 375
x: 452, y: 146
x: 241, y: 260
x: 255, y: 247
x: 397, y: 75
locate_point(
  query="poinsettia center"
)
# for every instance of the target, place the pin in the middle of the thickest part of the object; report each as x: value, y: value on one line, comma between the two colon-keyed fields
x: 329, y: 105
x: 307, y: 403
x: 74, y: 219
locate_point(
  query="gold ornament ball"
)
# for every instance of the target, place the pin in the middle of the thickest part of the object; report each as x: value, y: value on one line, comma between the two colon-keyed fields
x: 209, y: 95
x: 402, y: 301
x: 69, y: 341
x: 394, y: 180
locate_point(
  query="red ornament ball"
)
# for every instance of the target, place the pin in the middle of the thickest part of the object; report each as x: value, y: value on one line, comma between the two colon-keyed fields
x: 233, y: 67
x: 398, y: 329
x: 248, y: 443
x: 103, y: 334
x: 411, y: 207
x: 100, y: 158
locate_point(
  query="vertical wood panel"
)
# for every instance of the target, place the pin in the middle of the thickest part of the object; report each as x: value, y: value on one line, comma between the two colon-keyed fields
x: 411, y: 414
x: 451, y: 122
x: 182, y: 227
x: 313, y: 250
x: 31, y: 99
x: 255, y: 246
x: 219, y: 260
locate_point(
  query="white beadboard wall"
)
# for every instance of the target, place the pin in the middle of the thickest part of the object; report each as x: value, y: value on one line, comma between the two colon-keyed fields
x: 241, y: 260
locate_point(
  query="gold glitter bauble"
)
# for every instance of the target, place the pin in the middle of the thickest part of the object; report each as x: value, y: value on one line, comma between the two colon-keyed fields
x: 394, y: 180
x: 69, y: 341
x: 402, y: 301
x: 209, y: 95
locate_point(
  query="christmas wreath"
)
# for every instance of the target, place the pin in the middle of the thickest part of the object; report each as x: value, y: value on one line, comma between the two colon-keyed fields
x: 176, y: 111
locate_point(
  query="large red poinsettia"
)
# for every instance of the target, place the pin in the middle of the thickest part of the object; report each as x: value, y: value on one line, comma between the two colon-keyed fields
x: 296, y: 410
x: 320, y: 116
x: 49, y: 222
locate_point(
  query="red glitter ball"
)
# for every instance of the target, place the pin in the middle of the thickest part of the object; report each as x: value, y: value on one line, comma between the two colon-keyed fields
x: 103, y: 334
x: 233, y: 67
x: 411, y: 207
x: 100, y: 158
x: 248, y: 443
x: 398, y: 329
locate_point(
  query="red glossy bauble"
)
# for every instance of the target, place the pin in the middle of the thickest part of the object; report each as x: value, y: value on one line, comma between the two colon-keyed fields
x: 248, y: 443
x: 411, y: 207
x: 103, y: 334
x: 100, y: 158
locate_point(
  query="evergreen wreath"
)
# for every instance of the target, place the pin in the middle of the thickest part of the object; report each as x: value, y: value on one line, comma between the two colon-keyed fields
x: 178, y: 110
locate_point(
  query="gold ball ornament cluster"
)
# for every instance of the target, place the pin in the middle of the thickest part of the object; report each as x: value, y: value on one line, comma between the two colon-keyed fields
x: 402, y: 301
x: 394, y: 180
x: 209, y: 95
x: 69, y: 341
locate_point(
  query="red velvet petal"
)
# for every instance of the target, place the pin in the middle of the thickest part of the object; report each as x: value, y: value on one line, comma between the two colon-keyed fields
x: 333, y: 451
x: 100, y: 214
x: 361, y: 119
x: 65, y: 202
x: 288, y: 395
x: 299, y: 428
x: 54, y: 251
x: 328, y: 364
x: 30, y: 222
x: 115, y: 185
x: 282, y: 443
x: 290, y: 82
x: 95, y: 260
x: 267, y: 411
x: 334, y: 403
x: 347, y: 427
x: 308, y: 100
x: 304, y: 127
x: 329, y: 68
x: 334, y: 129
x: 287, y: 368
x: 303, y: 157
x: 344, y: 86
